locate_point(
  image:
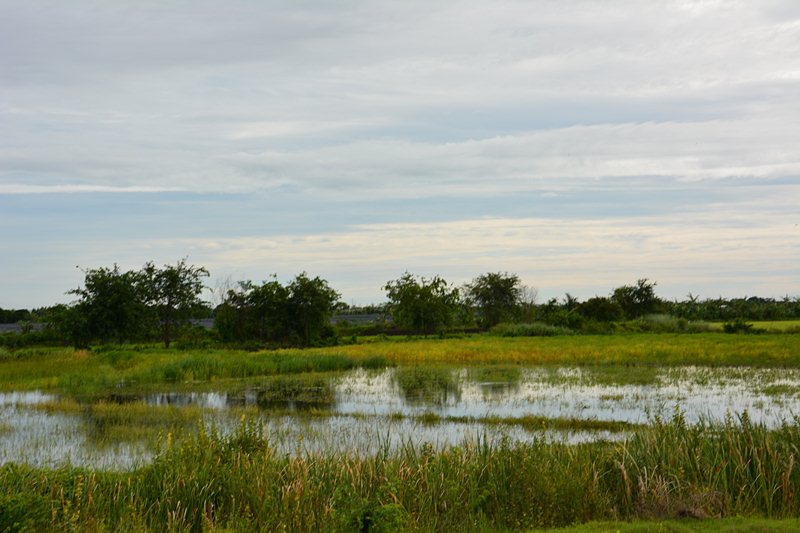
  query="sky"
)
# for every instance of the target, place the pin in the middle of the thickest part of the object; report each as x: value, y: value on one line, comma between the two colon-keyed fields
x: 581, y: 145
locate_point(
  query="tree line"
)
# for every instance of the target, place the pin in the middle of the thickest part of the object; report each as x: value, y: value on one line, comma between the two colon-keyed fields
x: 155, y: 302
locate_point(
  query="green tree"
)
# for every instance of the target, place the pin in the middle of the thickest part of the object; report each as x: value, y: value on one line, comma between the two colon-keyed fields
x: 231, y: 316
x: 173, y: 293
x: 601, y: 309
x: 70, y: 323
x: 559, y: 314
x: 636, y: 300
x: 298, y: 313
x: 311, y: 303
x: 495, y: 295
x: 111, y: 305
x: 422, y: 305
x: 12, y: 316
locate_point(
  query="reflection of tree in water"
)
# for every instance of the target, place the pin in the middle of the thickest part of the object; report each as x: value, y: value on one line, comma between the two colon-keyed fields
x: 496, y: 381
x: 297, y: 393
x: 427, y: 385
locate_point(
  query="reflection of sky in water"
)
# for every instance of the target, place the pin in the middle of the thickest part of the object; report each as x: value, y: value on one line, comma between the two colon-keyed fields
x: 571, y: 393
x: 364, y: 401
x: 41, y: 439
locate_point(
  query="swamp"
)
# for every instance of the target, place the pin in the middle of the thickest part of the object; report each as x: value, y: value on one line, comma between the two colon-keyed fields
x: 468, y: 433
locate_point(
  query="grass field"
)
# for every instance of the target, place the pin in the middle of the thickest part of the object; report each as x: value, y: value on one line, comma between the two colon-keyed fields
x: 110, y: 367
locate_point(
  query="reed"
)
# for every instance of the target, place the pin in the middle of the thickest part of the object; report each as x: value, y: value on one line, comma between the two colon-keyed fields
x: 209, y: 481
x: 89, y: 372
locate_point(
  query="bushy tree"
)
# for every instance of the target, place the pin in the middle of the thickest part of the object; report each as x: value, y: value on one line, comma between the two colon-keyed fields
x: 560, y: 314
x: 601, y: 309
x: 173, y: 293
x: 297, y: 313
x: 70, y: 324
x: 422, y: 305
x: 495, y: 295
x: 311, y: 303
x: 636, y: 300
x: 111, y: 305
x: 12, y: 316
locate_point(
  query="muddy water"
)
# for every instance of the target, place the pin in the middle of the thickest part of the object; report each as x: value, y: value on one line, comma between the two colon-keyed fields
x: 364, y: 411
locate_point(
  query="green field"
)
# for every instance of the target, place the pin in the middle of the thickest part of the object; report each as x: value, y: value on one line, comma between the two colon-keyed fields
x: 106, y: 367
x: 669, y: 474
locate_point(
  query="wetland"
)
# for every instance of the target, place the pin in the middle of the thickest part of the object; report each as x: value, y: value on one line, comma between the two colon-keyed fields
x: 362, y: 410
x: 470, y: 434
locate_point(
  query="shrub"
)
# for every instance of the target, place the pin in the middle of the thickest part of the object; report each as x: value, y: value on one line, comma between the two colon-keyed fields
x: 740, y: 325
x: 535, y: 329
x: 659, y: 323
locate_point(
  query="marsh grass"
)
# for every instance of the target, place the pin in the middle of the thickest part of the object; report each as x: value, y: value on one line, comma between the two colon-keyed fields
x: 426, y: 384
x: 87, y: 373
x: 780, y: 389
x: 113, y: 422
x: 703, y: 349
x: 659, y: 323
x: 210, y: 481
x: 495, y: 374
x: 621, y: 375
x: 535, y: 329
x: 528, y: 422
x: 60, y: 405
x: 306, y: 391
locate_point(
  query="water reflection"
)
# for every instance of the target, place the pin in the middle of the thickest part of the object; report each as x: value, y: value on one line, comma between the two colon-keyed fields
x: 426, y: 385
x: 770, y: 396
x: 363, y: 410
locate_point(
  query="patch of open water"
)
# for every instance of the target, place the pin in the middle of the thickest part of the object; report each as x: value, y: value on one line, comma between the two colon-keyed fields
x: 365, y: 411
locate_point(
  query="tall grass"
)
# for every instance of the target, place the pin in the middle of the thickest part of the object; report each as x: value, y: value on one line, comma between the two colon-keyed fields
x: 207, y: 481
x: 703, y: 349
x: 101, y: 369
x: 89, y: 372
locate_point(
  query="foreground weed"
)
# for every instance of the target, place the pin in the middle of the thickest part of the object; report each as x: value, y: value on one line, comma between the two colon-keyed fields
x: 210, y: 481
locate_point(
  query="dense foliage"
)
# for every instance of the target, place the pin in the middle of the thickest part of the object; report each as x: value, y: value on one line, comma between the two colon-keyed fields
x: 422, y: 305
x: 173, y: 293
x: 127, y: 306
x: 298, y: 313
x: 159, y: 303
x: 12, y: 316
x: 495, y: 296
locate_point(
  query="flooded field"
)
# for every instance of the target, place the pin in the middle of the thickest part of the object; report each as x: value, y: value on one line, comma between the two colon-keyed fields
x: 364, y: 411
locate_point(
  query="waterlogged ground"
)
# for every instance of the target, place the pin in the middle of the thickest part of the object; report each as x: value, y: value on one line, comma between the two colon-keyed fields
x: 365, y: 411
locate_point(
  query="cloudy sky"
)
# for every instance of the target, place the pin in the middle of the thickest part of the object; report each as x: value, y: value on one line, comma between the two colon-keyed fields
x: 580, y: 144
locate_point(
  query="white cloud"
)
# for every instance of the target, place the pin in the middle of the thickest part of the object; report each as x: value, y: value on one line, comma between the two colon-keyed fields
x: 584, y: 257
x: 387, y: 105
x: 20, y: 188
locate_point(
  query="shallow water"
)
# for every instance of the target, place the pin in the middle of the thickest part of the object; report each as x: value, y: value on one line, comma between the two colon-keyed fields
x: 366, y: 411
x: 707, y: 393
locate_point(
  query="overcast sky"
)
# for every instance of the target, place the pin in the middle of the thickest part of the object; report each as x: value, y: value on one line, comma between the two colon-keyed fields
x: 580, y: 144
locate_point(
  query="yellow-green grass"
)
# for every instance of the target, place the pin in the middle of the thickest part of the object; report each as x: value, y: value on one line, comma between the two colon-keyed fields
x: 106, y: 368
x: 710, y: 349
